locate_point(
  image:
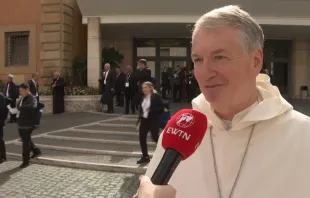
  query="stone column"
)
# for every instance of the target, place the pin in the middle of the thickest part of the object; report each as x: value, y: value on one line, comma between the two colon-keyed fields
x: 301, y: 64
x: 93, y: 52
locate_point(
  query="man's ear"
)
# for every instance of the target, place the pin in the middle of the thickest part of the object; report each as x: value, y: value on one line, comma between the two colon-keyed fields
x: 258, y: 59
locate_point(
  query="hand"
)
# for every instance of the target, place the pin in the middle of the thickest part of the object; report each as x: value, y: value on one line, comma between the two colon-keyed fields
x: 149, y: 190
x: 53, y: 85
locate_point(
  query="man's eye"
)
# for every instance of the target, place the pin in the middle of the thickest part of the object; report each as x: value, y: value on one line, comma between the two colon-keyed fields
x: 219, y: 57
x: 197, y: 60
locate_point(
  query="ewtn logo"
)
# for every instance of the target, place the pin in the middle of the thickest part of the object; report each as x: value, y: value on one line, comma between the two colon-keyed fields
x: 185, y: 120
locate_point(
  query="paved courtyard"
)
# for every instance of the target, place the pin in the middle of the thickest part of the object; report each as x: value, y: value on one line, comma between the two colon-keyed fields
x: 38, y: 181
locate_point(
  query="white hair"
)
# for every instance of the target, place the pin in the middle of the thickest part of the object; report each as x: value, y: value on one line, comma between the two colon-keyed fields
x: 233, y: 16
x: 107, y: 64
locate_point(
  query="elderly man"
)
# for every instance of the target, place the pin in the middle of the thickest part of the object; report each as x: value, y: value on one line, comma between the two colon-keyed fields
x: 108, y: 79
x: 58, y: 87
x: 11, y: 92
x: 256, y: 145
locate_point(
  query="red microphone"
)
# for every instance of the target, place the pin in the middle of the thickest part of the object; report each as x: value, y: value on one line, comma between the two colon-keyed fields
x: 181, y: 137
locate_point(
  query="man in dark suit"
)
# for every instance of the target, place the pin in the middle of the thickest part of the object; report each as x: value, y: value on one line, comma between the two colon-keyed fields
x: 109, y: 84
x: 3, y: 115
x: 27, y: 107
x: 34, y: 90
x: 178, y: 80
x: 11, y: 92
x: 58, y: 87
x: 143, y: 74
x: 165, y: 82
x: 119, y: 87
x: 130, y: 90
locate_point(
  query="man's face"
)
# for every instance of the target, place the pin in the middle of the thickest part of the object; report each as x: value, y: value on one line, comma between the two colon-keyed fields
x: 225, y: 71
x: 56, y: 75
x: 36, y: 77
x: 141, y: 66
x: 106, y: 67
x: 10, y: 79
x: 117, y: 70
x: 23, y: 92
x: 129, y: 69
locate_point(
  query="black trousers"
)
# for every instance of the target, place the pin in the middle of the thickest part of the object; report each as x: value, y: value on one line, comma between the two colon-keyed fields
x: 129, y: 102
x: 28, y: 145
x: 58, y: 103
x: 120, y: 98
x: 2, y: 145
x: 164, y: 92
x: 177, y: 92
x: 148, y: 124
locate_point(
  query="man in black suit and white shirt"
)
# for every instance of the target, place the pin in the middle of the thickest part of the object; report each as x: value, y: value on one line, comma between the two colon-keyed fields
x: 109, y: 84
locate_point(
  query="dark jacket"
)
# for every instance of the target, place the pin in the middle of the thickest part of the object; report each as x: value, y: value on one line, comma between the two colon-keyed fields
x: 165, y: 79
x: 60, y: 86
x: 110, y: 81
x: 178, y: 77
x: 156, y: 108
x: 143, y: 76
x: 27, y: 107
x: 13, y: 92
x: 120, y: 83
x: 34, y: 88
x: 133, y: 87
x: 3, y: 110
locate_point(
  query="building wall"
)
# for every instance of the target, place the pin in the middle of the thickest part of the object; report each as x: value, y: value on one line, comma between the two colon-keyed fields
x: 63, y: 37
x: 57, y: 35
x: 20, y: 15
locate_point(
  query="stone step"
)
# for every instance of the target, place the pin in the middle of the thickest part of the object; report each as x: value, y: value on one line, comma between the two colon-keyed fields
x: 131, y: 125
x: 100, y: 135
x: 121, y: 122
x: 92, y: 145
x: 82, y: 160
x: 87, y: 150
x: 90, y: 140
x: 109, y: 128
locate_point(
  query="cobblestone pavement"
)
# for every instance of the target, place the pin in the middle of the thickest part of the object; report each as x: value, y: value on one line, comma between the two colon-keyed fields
x: 37, y: 181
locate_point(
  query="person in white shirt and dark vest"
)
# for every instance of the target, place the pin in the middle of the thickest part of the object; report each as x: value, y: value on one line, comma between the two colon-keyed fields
x: 130, y: 90
x: 58, y: 87
x: 26, y: 120
x: 3, y: 115
x: 11, y: 92
x: 150, y: 108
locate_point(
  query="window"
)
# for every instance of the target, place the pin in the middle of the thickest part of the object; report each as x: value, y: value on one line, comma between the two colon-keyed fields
x: 17, y: 48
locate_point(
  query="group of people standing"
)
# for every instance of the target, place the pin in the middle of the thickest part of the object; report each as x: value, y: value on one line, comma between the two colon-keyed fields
x: 22, y: 104
x: 183, y: 83
x: 125, y: 85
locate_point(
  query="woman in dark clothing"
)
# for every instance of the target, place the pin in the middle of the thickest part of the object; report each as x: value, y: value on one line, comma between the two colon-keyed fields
x: 150, y: 108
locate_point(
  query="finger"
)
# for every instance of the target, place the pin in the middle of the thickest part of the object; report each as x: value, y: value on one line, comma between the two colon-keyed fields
x: 165, y: 191
x: 144, y: 178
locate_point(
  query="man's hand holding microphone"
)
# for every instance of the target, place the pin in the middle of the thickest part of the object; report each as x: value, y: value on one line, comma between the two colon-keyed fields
x: 148, y: 190
x: 181, y: 137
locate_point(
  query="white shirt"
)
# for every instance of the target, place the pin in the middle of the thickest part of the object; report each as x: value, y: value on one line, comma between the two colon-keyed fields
x: 7, y: 91
x: 35, y: 85
x: 146, y: 103
x: 105, y: 76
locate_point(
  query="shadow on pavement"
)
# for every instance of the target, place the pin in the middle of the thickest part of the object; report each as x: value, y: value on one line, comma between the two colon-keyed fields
x: 6, y: 175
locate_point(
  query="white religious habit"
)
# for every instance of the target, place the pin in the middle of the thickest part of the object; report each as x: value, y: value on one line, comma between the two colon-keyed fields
x: 276, y: 163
